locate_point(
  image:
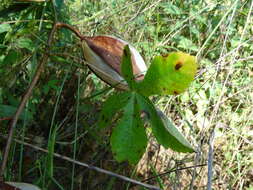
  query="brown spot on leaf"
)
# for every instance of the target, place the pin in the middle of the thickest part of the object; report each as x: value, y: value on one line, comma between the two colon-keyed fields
x: 178, y: 65
x: 175, y: 92
x: 165, y: 55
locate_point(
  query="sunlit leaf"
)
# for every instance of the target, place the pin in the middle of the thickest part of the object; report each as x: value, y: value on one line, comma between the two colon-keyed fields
x: 187, y: 44
x: 169, y: 74
x: 129, y: 138
x: 126, y: 67
x: 163, y: 129
x: 26, y: 43
x: 169, y: 8
x: 4, y: 28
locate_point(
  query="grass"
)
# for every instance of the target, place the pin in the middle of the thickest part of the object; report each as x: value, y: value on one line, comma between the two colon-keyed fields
x: 219, y: 102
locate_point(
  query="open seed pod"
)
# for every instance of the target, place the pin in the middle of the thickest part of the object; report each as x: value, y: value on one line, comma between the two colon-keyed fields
x: 104, y: 53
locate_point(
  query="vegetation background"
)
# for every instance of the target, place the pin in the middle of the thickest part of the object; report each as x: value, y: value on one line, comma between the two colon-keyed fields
x: 62, y: 113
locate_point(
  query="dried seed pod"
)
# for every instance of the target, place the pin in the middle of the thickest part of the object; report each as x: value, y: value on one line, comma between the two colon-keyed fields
x: 104, y: 53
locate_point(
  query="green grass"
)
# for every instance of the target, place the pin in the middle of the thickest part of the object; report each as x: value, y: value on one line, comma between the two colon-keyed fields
x: 219, y: 100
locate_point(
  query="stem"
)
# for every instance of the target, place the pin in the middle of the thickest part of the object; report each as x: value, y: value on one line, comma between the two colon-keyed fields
x: 74, y: 30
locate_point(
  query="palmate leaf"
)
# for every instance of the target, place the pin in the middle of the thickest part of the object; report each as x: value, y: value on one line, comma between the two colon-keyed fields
x: 169, y: 74
x: 111, y: 106
x: 129, y: 138
x: 163, y: 129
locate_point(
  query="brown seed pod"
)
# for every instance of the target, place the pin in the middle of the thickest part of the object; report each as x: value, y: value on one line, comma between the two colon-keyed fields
x: 104, y: 54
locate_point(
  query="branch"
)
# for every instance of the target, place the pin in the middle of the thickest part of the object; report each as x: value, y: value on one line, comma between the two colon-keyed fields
x: 74, y: 30
x: 5, y: 118
x: 175, y: 170
x: 210, y: 161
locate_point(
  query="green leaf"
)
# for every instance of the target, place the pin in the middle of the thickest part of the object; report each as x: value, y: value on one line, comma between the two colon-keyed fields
x: 129, y: 138
x: 52, y: 84
x: 11, y: 58
x: 3, y: 46
x: 163, y: 129
x: 169, y: 8
x: 187, y: 44
x: 4, y: 28
x: 169, y: 74
x: 112, y: 105
x: 126, y: 67
x: 26, y: 43
x: 9, y: 111
x: 59, y: 4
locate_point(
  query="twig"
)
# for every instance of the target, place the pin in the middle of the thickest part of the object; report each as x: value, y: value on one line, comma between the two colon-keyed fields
x: 74, y: 30
x: 88, y: 166
x: 24, y: 100
x: 210, y: 162
x: 175, y: 170
x: 5, y: 118
x: 196, y: 161
x: 20, y: 21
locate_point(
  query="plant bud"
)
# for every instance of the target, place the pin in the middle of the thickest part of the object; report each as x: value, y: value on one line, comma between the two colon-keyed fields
x: 104, y: 54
